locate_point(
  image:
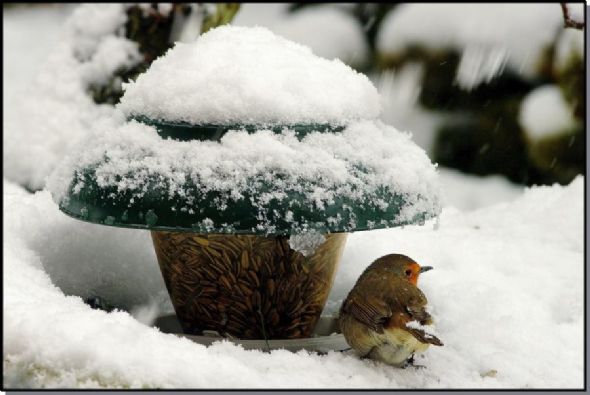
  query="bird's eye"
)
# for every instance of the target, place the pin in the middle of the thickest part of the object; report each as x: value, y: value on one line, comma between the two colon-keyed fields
x: 408, y: 272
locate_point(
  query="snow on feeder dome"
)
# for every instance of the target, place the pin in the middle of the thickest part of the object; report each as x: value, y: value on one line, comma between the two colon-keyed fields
x: 249, y: 158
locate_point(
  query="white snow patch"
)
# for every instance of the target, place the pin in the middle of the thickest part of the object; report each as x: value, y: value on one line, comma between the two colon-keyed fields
x: 257, y: 14
x: 240, y: 75
x: 165, y: 8
x: 162, y: 8
x: 24, y: 51
x: 399, y: 91
x: 306, y: 243
x: 329, y: 30
x: 122, y: 274
x: 111, y: 54
x: 468, y: 192
x: 89, y: 24
x: 544, y: 112
x: 479, y: 65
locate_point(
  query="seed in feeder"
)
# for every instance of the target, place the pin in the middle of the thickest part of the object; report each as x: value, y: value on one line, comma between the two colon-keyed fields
x: 201, y: 241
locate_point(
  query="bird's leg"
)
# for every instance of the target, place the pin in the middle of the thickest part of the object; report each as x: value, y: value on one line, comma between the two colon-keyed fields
x: 365, y: 356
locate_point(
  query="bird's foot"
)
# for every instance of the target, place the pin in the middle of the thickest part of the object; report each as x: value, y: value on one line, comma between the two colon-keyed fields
x: 411, y: 362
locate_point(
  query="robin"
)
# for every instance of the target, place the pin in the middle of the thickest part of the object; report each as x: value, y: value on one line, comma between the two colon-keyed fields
x: 384, y: 316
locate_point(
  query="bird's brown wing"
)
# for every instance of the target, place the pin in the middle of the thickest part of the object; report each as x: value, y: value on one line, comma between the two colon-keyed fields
x: 370, y: 311
x: 423, y: 336
x: 414, y: 309
x: 419, y: 314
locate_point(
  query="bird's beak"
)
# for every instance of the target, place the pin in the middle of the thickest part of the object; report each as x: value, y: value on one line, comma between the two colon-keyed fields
x: 425, y: 268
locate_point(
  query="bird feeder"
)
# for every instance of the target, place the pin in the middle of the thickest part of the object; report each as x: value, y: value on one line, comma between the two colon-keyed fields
x: 249, y: 159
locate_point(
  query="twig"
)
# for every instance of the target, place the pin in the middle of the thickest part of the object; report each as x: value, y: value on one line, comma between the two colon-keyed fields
x: 263, y: 329
x: 568, y: 21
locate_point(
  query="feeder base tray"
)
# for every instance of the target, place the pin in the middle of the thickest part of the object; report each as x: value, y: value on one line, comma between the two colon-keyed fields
x: 325, y: 337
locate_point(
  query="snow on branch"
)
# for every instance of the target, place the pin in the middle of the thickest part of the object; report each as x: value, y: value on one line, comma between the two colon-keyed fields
x: 568, y: 20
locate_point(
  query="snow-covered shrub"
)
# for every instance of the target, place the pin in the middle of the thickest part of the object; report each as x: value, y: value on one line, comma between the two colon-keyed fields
x: 101, y: 46
x: 569, y: 71
x: 477, y: 63
x: 555, y: 137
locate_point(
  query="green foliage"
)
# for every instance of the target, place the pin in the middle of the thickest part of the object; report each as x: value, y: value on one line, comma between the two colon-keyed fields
x: 560, y: 157
x: 571, y: 82
x: 223, y: 15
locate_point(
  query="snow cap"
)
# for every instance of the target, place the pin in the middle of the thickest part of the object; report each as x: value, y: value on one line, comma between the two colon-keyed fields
x: 242, y: 75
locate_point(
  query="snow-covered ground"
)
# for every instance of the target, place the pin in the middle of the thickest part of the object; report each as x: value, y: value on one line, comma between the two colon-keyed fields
x: 506, y: 295
x: 506, y: 292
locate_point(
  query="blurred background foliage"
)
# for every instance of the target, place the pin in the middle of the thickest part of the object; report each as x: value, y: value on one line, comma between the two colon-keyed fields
x: 504, y: 125
x: 482, y: 131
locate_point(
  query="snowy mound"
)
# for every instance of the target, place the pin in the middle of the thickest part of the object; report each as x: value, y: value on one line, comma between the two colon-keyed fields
x: 488, y: 32
x: 368, y: 176
x: 239, y: 75
x: 544, y: 112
